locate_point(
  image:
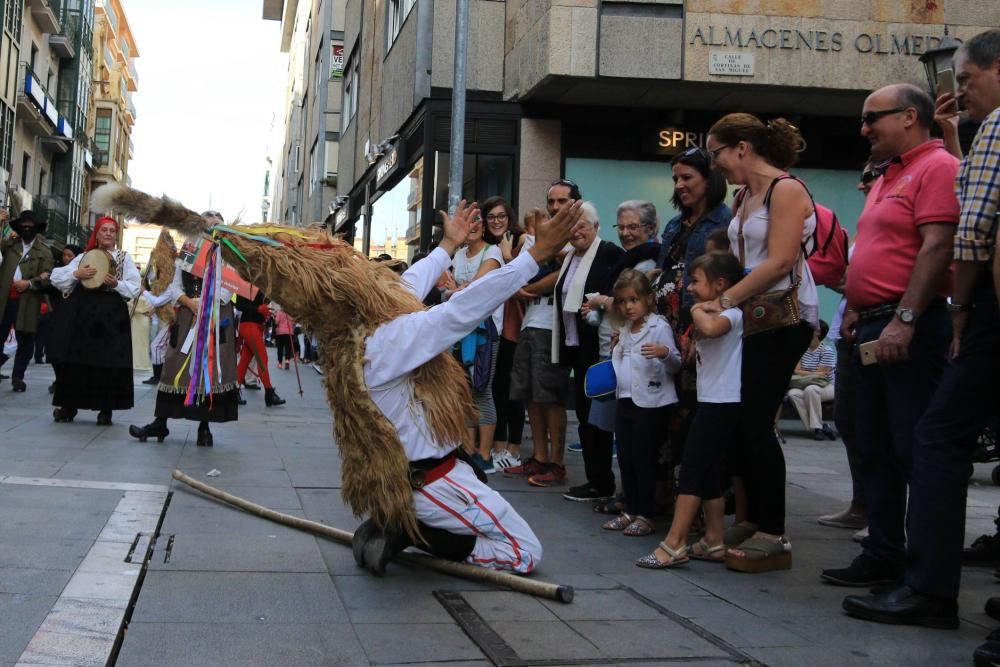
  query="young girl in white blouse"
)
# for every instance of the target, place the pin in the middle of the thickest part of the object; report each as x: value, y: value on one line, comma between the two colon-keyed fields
x: 645, y: 359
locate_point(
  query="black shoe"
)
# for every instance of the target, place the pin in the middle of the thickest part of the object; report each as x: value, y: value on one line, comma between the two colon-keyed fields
x: 381, y: 547
x: 588, y: 494
x: 204, y: 438
x: 987, y: 655
x: 271, y: 398
x: 904, y: 606
x: 152, y: 380
x: 239, y: 397
x: 18, y: 385
x: 63, y: 415
x: 984, y: 550
x: 251, y: 386
x: 992, y: 608
x: 362, y: 534
x: 104, y: 418
x: 863, y: 572
x: 829, y: 432
x: 155, y: 429
x: 818, y: 434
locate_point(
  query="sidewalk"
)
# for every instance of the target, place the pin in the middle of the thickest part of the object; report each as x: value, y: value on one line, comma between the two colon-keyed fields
x: 222, y: 587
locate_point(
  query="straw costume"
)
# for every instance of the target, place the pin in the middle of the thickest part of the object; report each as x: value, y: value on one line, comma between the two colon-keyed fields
x: 160, y: 276
x: 401, y: 401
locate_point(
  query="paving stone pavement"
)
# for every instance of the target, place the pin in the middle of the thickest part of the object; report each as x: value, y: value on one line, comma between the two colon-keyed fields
x: 222, y: 587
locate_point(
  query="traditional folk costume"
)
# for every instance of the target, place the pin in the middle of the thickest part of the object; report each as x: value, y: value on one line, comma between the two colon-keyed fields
x: 24, y: 258
x: 141, y: 323
x: 160, y: 276
x: 91, y: 343
x: 177, y: 397
x: 400, y: 400
x: 253, y: 314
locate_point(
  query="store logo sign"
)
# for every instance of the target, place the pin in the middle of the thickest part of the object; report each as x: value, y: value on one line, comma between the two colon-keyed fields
x: 674, y: 140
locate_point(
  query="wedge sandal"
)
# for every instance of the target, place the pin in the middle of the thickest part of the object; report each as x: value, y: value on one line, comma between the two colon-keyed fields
x: 677, y: 557
x: 620, y: 522
x: 737, y: 534
x: 761, y: 554
x: 700, y: 550
x: 640, y: 527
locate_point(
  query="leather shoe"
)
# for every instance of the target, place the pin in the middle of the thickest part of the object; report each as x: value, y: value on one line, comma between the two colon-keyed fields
x: 987, y: 654
x: 904, y: 606
x: 151, y: 380
x: 863, y: 572
x: 18, y: 385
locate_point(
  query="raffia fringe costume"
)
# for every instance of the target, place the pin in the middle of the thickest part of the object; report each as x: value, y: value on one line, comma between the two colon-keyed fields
x: 337, y: 294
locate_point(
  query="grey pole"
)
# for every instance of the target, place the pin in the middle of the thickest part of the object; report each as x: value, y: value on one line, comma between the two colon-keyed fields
x: 458, y: 106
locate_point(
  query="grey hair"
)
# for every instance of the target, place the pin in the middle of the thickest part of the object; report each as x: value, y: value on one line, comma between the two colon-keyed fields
x: 909, y: 95
x: 590, y: 213
x: 646, y: 211
x: 983, y: 49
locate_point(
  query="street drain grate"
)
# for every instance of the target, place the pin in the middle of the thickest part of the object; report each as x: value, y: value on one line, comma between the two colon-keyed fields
x: 501, y: 654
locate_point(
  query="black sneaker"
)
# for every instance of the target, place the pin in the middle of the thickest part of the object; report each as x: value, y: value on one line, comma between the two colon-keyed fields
x: 985, y: 550
x: 863, y: 572
x: 586, y: 494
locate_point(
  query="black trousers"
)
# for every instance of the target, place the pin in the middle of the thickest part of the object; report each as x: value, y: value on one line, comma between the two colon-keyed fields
x: 967, y: 396
x: 285, y: 347
x: 768, y: 361
x: 598, y: 445
x: 640, y: 432
x: 844, y: 401
x: 714, y: 426
x: 510, y: 413
x: 25, y: 340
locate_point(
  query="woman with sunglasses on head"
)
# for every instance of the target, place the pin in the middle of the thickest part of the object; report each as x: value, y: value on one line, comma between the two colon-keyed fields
x: 774, y: 221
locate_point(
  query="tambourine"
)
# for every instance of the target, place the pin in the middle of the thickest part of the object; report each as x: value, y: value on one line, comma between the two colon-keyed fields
x: 100, y: 260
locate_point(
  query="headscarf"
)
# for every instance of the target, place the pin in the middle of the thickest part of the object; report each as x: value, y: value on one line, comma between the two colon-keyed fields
x: 92, y: 241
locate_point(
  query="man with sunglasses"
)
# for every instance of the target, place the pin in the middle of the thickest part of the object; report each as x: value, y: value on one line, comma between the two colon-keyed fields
x: 896, y: 288
x: 968, y: 393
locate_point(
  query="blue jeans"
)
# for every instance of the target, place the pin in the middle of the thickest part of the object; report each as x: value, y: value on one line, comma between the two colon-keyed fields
x: 890, y: 401
x: 968, y: 396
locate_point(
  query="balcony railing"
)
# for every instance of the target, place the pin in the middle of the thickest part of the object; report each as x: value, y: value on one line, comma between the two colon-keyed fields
x: 46, y: 14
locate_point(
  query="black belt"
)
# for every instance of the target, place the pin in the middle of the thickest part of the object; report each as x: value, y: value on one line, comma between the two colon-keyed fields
x: 888, y: 310
x: 538, y: 300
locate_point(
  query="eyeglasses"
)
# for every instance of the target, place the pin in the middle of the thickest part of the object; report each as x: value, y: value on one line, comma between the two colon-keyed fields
x: 695, y: 151
x: 873, y: 172
x: 628, y: 228
x: 499, y: 217
x: 714, y: 153
x: 565, y: 181
x: 873, y: 117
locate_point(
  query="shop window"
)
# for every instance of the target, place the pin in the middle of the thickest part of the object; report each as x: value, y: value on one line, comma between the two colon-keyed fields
x: 396, y: 13
x: 349, y: 102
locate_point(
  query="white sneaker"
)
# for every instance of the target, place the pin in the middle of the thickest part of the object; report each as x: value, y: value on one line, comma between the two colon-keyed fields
x: 503, y: 460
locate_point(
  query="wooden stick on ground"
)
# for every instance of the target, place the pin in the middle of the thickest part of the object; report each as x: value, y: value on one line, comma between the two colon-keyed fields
x: 462, y: 570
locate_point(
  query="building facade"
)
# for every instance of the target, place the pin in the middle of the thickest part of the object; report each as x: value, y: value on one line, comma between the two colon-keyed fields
x: 302, y: 180
x: 606, y: 92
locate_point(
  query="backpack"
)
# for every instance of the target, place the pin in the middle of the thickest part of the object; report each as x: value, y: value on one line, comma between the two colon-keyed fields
x: 827, y: 258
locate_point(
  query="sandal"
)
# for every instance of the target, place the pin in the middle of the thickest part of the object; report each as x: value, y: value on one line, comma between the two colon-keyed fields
x: 620, y: 522
x: 737, y: 534
x: 701, y: 551
x: 640, y: 527
x: 761, y: 554
x: 677, y: 557
x: 614, y: 506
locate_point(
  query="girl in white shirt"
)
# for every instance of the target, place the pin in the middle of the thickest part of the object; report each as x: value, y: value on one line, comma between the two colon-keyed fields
x: 719, y: 347
x: 645, y: 359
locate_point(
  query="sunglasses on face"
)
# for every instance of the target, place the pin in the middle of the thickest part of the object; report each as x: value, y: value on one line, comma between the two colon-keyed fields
x: 873, y: 117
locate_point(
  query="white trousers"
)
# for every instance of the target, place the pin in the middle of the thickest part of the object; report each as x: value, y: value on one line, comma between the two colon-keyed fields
x: 808, y: 403
x: 461, y: 504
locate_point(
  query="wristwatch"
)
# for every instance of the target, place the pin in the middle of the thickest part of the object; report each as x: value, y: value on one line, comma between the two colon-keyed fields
x: 906, y: 315
x: 959, y: 307
x: 725, y: 301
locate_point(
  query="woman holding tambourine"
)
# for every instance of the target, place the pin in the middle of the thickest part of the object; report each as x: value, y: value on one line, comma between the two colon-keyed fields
x: 91, y: 344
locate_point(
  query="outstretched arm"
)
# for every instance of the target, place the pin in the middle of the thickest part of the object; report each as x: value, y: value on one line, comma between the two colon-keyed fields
x: 423, y: 276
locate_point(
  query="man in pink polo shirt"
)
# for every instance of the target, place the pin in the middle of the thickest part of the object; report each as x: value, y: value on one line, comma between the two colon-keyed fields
x: 896, y: 288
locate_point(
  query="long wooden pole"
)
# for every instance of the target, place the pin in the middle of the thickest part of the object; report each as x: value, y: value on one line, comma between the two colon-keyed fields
x: 543, y: 589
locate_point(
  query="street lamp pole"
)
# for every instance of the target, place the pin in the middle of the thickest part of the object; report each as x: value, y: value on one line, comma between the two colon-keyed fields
x: 457, y: 156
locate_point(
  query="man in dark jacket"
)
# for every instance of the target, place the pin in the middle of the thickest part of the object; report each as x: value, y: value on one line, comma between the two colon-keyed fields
x: 24, y: 275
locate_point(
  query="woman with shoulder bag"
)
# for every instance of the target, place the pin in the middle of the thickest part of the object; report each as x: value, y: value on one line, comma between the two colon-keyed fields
x: 774, y: 224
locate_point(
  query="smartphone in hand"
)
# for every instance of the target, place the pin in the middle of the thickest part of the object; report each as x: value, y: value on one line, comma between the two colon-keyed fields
x: 946, y: 84
x: 867, y: 351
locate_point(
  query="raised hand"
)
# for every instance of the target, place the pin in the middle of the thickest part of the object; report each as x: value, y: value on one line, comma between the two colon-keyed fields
x: 552, y: 234
x: 456, y: 229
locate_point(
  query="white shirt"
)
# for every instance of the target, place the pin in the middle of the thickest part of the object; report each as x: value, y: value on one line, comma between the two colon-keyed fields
x: 720, y: 361
x: 537, y: 315
x: 648, y: 382
x: 25, y: 249
x: 465, y: 269
x: 128, y: 286
x: 400, y: 346
x: 755, y: 245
